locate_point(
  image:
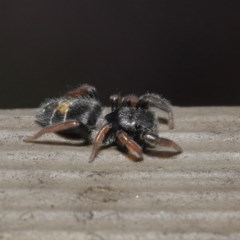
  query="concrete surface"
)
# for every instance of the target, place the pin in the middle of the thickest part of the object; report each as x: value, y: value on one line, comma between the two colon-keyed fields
x: 50, y: 191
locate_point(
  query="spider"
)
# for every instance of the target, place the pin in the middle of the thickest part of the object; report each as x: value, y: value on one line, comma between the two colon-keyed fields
x: 132, y: 126
x: 72, y: 116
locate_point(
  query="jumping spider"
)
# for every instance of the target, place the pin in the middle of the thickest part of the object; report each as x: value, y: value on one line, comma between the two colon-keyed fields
x: 131, y: 125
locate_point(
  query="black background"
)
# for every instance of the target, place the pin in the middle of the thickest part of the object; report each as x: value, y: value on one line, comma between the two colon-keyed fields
x: 188, y: 51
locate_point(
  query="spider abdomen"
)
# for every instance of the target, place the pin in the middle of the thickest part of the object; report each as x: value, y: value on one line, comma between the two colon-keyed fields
x: 85, y: 110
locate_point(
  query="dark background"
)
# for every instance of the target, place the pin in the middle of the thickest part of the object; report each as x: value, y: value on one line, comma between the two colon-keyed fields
x: 188, y: 51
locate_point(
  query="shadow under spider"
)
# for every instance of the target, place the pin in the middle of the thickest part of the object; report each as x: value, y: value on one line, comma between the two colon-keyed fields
x: 61, y: 143
x: 148, y: 152
x: 160, y: 154
x: 162, y: 120
x: 129, y: 155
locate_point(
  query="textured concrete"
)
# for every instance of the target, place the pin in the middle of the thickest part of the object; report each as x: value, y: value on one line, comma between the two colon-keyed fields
x: 50, y: 191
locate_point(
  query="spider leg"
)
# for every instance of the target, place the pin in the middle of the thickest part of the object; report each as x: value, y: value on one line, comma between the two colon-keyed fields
x: 154, y: 100
x: 53, y: 129
x: 84, y: 89
x: 98, y: 140
x: 154, y: 140
x: 130, y: 144
x: 116, y: 101
x: 130, y: 100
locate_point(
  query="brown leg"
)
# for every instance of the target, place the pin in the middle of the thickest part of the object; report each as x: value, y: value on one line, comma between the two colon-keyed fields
x: 52, y: 129
x: 116, y: 101
x: 130, y: 144
x: 98, y: 140
x: 82, y: 90
x: 130, y: 100
x: 155, y: 140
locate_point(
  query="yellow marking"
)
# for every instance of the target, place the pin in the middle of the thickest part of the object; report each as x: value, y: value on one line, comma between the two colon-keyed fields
x: 63, y: 107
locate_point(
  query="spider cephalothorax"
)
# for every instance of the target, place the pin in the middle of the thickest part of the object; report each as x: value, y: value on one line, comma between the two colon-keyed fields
x: 133, y: 126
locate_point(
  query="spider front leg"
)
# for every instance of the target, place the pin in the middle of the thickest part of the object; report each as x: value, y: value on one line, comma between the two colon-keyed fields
x: 154, y: 100
x: 154, y: 140
x: 53, y: 129
x: 130, y: 144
